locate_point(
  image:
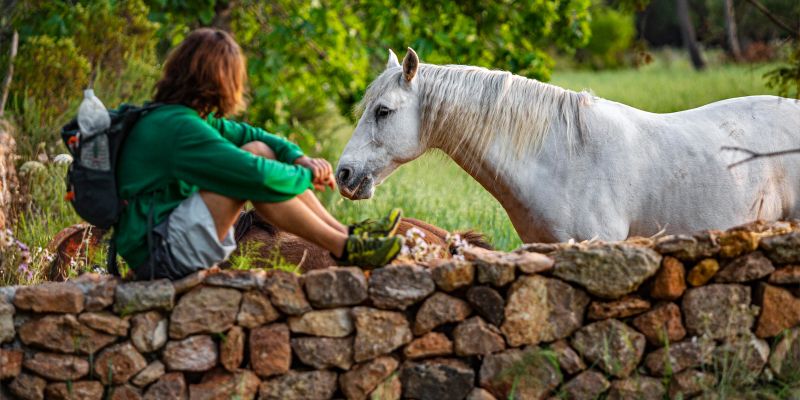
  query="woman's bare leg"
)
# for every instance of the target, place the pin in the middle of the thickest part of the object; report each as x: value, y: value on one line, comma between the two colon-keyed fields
x: 294, y: 216
x: 313, y: 203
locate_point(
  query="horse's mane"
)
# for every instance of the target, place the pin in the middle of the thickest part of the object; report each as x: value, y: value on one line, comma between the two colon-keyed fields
x: 466, y: 107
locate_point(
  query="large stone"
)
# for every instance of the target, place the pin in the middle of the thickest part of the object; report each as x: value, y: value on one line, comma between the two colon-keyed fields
x: 28, y: 387
x: 440, y: 309
x: 780, y: 310
x: 432, y: 344
x: 106, y: 322
x: 670, y: 281
x: 124, y: 392
x: 487, y: 303
x: 357, y: 383
x: 119, y: 363
x: 270, y: 350
x: 529, y: 373
x: 396, y: 287
x: 492, y: 267
x: 690, y: 383
x: 236, y: 279
x: 450, y: 275
x: 788, y: 275
x: 746, y: 268
x: 785, y: 358
x: 782, y: 249
x: 98, y: 290
x: 169, y: 386
x: 528, y: 262
x: 589, y: 385
x: 742, y: 358
x: 63, y: 333
x: 622, y: 308
x: 149, y: 374
x: 717, y: 310
x: 256, y: 310
x: 55, y: 297
x: 7, y: 331
x: 389, y: 389
x: 335, y: 287
x: 568, y: 360
x: 607, y: 270
x: 480, y: 394
x: 323, y: 353
x: 192, y: 280
x: 195, y: 354
x: 133, y: 297
x: 285, y: 293
x: 611, y: 345
x: 689, y: 248
x: 148, y: 331
x: 10, y: 363
x: 438, y: 379
x: 335, y: 322
x: 677, y: 357
x: 703, y: 272
x: 220, y: 385
x: 541, y: 310
x: 82, y: 390
x: 204, y: 310
x: 231, y: 349
x: 57, y: 367
x: 378, y: 332
x: 475, y: 337
x: 661, y: 325
x: 315, y: 385
x: 637, y: 388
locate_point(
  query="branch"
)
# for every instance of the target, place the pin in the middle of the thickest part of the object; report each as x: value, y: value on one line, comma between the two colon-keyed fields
x: 10, y: 73
x: 755, y: 155
x: 764, y: 10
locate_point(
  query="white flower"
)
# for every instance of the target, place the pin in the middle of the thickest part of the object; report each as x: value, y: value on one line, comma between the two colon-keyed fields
x: 62, y: 159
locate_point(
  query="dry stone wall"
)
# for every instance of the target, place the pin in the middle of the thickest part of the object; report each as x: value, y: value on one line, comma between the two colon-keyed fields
x: 640, y: 319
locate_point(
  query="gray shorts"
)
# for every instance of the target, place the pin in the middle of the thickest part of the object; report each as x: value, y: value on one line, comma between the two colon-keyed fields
x: 186, y: 242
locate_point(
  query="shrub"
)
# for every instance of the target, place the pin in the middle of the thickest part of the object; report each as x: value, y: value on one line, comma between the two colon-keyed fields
x: 612, y: 34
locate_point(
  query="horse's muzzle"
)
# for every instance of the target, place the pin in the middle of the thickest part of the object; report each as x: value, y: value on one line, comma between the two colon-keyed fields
x: 352, y: 185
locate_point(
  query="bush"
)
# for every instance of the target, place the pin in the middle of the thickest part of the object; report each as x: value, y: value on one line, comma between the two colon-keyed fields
x: 612, y: 34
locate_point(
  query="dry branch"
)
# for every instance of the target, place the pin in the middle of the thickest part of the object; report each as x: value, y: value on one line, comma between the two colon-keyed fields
x: 755, y: 155
x: 9, y: 73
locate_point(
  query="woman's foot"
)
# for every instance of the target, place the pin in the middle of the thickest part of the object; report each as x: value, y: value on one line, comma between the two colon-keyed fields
x: 371, y: 252
x: 386, y: 226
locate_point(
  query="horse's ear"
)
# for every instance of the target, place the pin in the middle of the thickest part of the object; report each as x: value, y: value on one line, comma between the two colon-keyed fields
x: 410, y: 64
x: 393, y: 61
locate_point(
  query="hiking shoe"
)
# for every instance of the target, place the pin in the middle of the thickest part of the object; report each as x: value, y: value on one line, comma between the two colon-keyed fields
x: 386, y: 226
x: 371, y: 252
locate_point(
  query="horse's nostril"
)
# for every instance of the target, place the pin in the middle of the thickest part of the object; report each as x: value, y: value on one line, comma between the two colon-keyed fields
x: 344, y: 174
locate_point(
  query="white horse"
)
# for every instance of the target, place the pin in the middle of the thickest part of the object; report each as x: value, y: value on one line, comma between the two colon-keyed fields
x: 566, y: 164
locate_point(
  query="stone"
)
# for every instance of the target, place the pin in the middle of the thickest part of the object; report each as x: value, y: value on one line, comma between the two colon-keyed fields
x: 241, y: 384
x: 191, y: 281
x: 785, y: 358
x: 690, y: 383
x: 28, y: 387
x: 746, y: 268
x: 487, y: 303
x: 106, y: 322
x: 680, y: 356
x: 528, y: 372
x: 389, y: 389
x: 529, y: 262
x: 335, y: 287
x: 124, y: 392
x: 134, y: 297
x: 438, y: 379
x: 357, y: 383
x: 204, y: 310
x: 314, y: 385
x: 737, y: 241
x: 55, y: 297
x: 475, y: 337
x: 432, y: 344
x: 378, y: 332
x: 670, y: 281
x: 703, y: 272
x: 236, y: 279
x: 450, y: 275
x: 780, y: 310
x: 588, y: 385
x: 82, y: 390
x: 324, y: 353
x: 541, y: 309
x: 256, y: 310
x: 195, y: 354
x: 491, y: 269
x: 568, y: 360
x: 609, y: 271
x: 661, y: 325
x: 480, y: 394
x: 148, y: 331
x: 789, y: 275
x: 285, y: 293
x: 231, y: 349
x: 57, y: 367
x: 782, y: 249
x: 611, y: 345
x: 336, y: 322
x: 742, y: 358
x: 396, y: 287
x: 63, y: 333
x: 440, y: 309
x: 98, y: 290
x: 168, y: 386
x: 119, y: 363
x: 689, y: 248
x: 637, y: 388
x: 622, y: 308
x: 7, y: 331
x: 270, y: 350
x: 149, y: 374
x: 10, y: 363
x: 717, y: 310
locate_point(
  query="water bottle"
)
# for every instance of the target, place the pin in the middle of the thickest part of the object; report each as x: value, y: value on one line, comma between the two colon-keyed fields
x: 94, y: 121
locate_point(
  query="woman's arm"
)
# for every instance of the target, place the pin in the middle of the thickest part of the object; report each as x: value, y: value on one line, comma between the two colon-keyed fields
x: 240, y: 133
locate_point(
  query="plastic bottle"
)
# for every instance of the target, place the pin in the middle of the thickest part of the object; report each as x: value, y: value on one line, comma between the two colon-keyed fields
x: 94, y: 121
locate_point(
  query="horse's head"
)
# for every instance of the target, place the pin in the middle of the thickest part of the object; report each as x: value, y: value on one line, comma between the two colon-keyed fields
x: 387, y: 134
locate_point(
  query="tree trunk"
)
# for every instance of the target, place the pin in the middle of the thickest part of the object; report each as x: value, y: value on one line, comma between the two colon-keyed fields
x: 730, y: 30
x: 222, y: 15
x: 688, y: 35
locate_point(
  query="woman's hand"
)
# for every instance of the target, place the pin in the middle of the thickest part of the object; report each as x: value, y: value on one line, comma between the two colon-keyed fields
x: 321, y: 169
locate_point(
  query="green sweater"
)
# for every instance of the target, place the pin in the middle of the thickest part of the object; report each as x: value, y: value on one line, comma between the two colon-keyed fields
x: 172, y: 153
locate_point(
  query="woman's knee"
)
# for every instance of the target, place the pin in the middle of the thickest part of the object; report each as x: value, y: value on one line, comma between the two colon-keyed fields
x: 260, y: 149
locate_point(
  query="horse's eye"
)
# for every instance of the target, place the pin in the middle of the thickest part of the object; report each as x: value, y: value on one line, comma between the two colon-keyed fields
x: 382, y: 112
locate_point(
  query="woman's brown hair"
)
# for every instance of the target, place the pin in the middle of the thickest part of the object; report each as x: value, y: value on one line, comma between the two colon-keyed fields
x: 206, y: 72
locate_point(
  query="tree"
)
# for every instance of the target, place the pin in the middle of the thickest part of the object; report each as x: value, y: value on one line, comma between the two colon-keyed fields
x: 688, y: 34
x: 730, y: 30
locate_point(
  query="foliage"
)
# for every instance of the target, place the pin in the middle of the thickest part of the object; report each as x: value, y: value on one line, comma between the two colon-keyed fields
x: 786, y: 78
x: 612, y: 34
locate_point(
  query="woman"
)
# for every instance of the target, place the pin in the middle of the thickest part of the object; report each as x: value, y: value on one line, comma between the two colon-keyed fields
x: 186, y: 173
